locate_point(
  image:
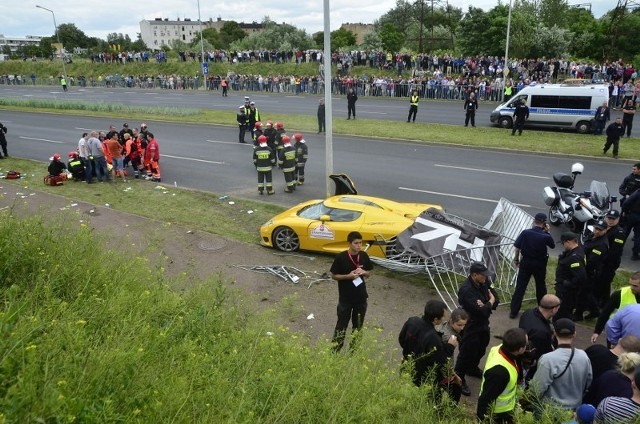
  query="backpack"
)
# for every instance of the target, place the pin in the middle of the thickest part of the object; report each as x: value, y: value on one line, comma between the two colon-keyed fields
x: 12, y: 175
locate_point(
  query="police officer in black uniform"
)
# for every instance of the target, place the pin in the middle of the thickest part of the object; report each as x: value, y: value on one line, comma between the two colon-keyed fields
x: 470, y: 107
x: 617, y: 238
x: 595, y: 250
x: 629, y: 185
x: 479, y: 300
x: 3, y: 141
x: 241, y: 117
x: 570, y: 274
x: 520, y: 116
x: 531, y: 259
x: 631, y: 210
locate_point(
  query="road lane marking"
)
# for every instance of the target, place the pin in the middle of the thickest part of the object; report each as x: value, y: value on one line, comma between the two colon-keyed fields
x: 459, y: 196
x: 194, y: 159
x: 375, y: 113
x: 230, y: 142
x: 42, y: 139
x: 490, y: 171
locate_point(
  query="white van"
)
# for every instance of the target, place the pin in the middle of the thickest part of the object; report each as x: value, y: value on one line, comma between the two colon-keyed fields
x: 555, y: 106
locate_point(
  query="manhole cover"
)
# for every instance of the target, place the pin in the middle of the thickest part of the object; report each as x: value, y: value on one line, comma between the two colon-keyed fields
x: 211, y: 245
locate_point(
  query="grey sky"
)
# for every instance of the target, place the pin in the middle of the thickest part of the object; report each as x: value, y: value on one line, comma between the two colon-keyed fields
x: 98, y: 18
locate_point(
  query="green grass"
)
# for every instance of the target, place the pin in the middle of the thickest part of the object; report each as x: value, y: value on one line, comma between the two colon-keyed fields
x: 86, y: 341
x: 105, y: 340
x: 206, y: 211
x: 45, y: 69
x: 547, y: 142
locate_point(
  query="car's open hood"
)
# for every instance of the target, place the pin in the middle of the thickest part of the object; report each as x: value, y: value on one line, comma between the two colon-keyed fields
x: 343, y: 183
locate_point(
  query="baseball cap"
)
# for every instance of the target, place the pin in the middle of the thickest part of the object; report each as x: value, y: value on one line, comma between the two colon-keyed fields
x: 613, y: 213
x: 586, y: 413
x: 541, y: 217
x: 240, y: 107
x: 479, y: 268
x: 564, y: 327
x: 246, y: 98
x: 568, y: 236
x: 125, y: 125
x: 252, y: 103
x: 600, y: 225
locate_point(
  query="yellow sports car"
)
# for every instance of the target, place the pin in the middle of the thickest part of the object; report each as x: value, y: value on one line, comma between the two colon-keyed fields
x: 323, y: 225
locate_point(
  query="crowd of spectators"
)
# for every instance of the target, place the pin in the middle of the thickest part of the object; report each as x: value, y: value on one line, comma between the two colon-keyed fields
x: 433, y: 76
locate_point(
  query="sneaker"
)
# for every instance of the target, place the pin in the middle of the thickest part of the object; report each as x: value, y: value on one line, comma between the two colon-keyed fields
x: 513, y: 316
x: 464, y: 389
x: 271, y: 192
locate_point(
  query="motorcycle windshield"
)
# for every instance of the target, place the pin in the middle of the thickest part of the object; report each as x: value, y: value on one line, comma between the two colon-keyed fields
x: 599, y: 195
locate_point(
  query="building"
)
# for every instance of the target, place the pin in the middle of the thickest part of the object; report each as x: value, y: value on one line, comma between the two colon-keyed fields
x: 159, y: 31
x: 360, y: 30
x: 16, y: 42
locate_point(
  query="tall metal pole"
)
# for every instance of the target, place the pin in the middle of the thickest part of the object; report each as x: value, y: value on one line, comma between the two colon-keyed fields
x: 505, y: 71
x: 55, y: 26
x: 204, y: 76
x: 327, y: 98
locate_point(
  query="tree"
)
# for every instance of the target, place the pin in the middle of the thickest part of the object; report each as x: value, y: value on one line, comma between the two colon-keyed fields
x: 282, y: 37
x: 229, y: 33
x: 339, y: 38
x: 553, y: 13
x: 71, y: 37
x: 392, y: 39
x: 471, y: 31
x: 550, y: 42
x: 46, y: 49
x: 212, y: 36
x: 523, y: 27
x: 372, y: 41
x: 587, y: 39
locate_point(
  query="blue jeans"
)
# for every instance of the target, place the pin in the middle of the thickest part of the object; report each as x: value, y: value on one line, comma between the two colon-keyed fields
x: 102, y: 172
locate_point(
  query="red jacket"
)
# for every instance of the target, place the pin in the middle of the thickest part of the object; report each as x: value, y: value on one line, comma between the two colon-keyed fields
x: 152, y: 152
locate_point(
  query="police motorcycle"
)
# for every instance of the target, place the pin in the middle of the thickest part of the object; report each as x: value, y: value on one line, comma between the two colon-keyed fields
x: 577, y: 210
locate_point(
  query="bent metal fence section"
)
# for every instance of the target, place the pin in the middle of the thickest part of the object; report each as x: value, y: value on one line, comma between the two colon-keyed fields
x: 449, y: 269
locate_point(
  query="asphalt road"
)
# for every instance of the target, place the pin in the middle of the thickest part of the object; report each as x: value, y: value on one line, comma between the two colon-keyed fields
x: 383, y: 108
x: 467, y: 182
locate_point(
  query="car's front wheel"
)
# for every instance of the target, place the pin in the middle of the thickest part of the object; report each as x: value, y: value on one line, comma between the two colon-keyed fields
x: 285, y: 239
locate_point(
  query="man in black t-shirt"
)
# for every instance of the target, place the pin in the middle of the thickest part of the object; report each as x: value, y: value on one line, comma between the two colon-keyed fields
x: 349, y: 269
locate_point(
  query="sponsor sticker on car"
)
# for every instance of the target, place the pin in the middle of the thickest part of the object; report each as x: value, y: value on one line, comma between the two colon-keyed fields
x: 322, y: 232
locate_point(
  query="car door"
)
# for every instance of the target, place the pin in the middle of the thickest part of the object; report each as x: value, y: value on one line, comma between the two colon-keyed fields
x: 331, y: 235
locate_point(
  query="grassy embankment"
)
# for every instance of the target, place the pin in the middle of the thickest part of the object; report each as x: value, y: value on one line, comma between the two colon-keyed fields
x: 104, y: 339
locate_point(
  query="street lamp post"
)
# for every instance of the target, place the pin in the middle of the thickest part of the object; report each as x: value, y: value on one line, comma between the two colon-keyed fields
x: 505, y: 70
x: 205, y: 67
x: 55, y: 26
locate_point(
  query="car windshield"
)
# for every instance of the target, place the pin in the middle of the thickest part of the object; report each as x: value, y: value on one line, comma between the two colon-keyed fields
x: 317, y: 210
